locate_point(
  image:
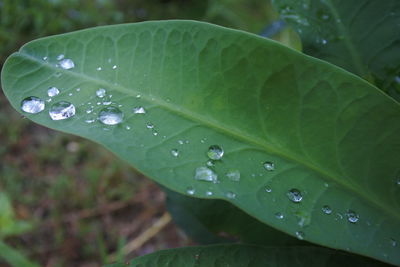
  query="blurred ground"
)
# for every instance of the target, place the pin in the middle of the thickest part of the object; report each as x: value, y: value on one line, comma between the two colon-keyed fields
x: 83, y: 205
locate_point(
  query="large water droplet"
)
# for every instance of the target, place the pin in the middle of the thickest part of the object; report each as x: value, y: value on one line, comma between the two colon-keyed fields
x: 295, y: 195
x: 190, y: 190
x: 32, y: 105
x: 215, y: 152
x: 61, y: 110
x: 138, y: 110
x: 352, y: 216
x: 300, y: 235
x: 111, y: 116
x: 269, y: 166
x: 279, y: 215
x: 233, y: 175
x: 205, y: 174
x: 175, y: 152
x: 67, y: 64
x: 101, y: 92
x: 53, y: 91
x: 326, y: 209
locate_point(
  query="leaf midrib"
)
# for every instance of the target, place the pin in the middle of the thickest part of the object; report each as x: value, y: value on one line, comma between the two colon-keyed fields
x: 355, y: 56
x: 222, y: 128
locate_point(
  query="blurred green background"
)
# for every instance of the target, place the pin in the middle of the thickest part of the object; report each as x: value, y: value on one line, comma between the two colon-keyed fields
x: 65, y: 201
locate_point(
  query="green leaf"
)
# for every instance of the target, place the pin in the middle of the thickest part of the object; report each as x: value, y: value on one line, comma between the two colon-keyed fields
x: 9, y: 225
x: 361, y: 36
x: 210, y: 221
x: 14, y: 257
x: 248, y: 256
x: 329, y: 134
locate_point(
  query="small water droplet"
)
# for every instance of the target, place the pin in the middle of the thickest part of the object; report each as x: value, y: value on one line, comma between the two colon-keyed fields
x: 128, y: 127
x: 210, y: 163
x: 269, y: 166
x: 138, y: 110
x: 175, y: 152
x: 107, y: 103
x: 268, y: 189
x: 114, y: 67
x: 70, y: 94
x: 90, y: 120
x: 101, y: 92
x: 326, y: 209
x: 234, y: 175
x: 295, y: 195
x: 180, y: 142
x: 61, y: 110
x: 111, y: 116
x: 32, y: 105
x: 90, y: 110
x: 138, y: 96
x: 393, y: 242
x: 300, y: 235
x: 398, y: 182
x: 98, y: 68
x: 45, y: 58
x: 352, y: 216
x: 57, y: 74
x: 230, y: 195
x: 209, y: 193
x: 67, y: 64
x: 78, y: 89
x: 205, y: 174
x: 279, y: 215
x: 190, y: 190
x: 215, y: 152
x: 60, y: 56
x: 149, y: 125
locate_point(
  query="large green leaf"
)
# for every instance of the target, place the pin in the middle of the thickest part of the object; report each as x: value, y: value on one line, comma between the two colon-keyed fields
x: 322, y: 131
x: 361, y: 36
x: 248, y: 256
x: 210, y: 221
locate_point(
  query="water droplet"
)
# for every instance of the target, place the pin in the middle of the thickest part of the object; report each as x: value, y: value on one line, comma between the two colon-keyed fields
x: 326, y: 209
x: 61, y: 110
x: 128, y: 127
x: 352, y: 216
x: 210, y: 163
x: 230, y: 195
x: 209, y: 193
x: 190, y: 190
x: 268, y: 189
x: 57, y: 74
x: 114, y: 67
x: 107, y: 103
x: 398, y: 182
x: 215, y: 152
x: 90, y: 110
x: 234, y: 175
x: 32, y: 105
x: 45, y: 58
x: 393, y: 242
x: 180, y: 142
x: 300, y: 235
x: 205, y: 174
x: 67, y: 64
x: 138, y: 96
x: 279, y: 215
x: 175, y: 152
x: 90, y: 120
x: 78, y: 89
x: 269, y: 166
x: 101, y: 92
x: 138, y: 110
x: 70, y: 94
x: 295, y: 195
x: 149, y: 125
x: 98, y: 68
x: 60, y: 56
x: 111, y: 116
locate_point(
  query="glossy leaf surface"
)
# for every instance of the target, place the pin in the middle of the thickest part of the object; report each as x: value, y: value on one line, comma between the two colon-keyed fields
x: 248, y: 256
x: 361, y: 36
x: 303, y: 134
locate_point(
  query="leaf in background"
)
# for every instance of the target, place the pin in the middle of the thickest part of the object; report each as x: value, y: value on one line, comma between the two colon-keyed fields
x: 361, y: 36
x: 300, y: 136
x: 248, y: 256
x: 9, y: 225
x: 14, y: 257
x: 210, y: 221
